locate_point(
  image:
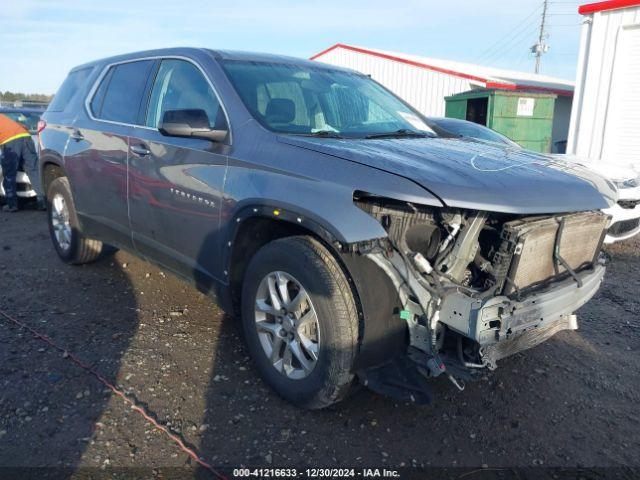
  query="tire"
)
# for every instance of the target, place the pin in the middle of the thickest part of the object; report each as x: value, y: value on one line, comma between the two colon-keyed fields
x: 73, y: 248
x: 306, y: 261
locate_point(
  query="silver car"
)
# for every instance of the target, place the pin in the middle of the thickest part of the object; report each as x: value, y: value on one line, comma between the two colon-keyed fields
x: 352, y: 241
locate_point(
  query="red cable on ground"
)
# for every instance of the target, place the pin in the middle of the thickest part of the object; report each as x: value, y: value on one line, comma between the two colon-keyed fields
x: 118, y: 392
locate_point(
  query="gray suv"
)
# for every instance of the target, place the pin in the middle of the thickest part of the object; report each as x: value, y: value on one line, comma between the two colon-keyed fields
x: 357, y: 242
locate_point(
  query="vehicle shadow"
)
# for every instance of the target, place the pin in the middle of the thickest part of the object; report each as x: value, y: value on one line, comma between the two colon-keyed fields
x: 49, y: 407
x: 492, y: 422
x: 246, y: 424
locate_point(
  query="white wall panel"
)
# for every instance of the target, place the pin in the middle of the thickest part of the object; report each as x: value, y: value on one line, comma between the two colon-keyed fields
x: 621, y: 136
x: 591, y: 113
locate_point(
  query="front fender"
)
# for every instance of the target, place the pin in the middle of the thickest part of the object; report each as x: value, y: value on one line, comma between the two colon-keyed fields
x: 321, y: 194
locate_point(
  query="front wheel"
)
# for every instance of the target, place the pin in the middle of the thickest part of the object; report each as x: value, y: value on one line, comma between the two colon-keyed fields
x: 300, y: 321
x: 70, y: 244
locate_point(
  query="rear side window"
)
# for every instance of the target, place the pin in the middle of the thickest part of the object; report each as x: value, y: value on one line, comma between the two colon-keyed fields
x: 69, y: 89
x: 98, y: 97
x: 120, y: 92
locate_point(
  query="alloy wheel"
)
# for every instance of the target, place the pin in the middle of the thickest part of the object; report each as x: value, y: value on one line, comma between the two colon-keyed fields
x: 287, y: 325
x: 60, y: 222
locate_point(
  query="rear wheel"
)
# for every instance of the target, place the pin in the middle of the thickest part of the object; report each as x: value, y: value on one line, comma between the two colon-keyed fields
x: 72, y: 246
x: 300, y: 321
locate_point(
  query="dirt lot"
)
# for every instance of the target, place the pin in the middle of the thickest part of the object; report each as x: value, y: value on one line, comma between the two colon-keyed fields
x: 570, y: 402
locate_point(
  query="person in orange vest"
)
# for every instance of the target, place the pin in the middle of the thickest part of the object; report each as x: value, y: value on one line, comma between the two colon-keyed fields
x: 17, y: 150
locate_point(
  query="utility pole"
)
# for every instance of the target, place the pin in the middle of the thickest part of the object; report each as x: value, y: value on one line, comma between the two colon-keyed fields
x: 541, y: 47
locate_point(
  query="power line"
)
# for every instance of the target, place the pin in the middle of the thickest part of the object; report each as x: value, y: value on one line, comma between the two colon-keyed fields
x: 514, y: 32
x: 525, y: 29
x: 519, y: 40
x: 508, y: 36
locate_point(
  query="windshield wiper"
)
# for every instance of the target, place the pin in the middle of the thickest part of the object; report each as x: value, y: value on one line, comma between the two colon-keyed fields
x: 324, y: 134
x: 403, y: 132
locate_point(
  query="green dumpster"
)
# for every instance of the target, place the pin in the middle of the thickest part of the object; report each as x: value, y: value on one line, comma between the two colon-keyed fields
x: 526, y: 118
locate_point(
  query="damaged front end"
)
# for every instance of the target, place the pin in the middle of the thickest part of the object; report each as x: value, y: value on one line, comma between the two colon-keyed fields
x: 477, y: 286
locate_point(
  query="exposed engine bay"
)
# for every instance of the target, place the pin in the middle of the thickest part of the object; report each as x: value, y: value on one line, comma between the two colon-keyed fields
x: 479, y: 286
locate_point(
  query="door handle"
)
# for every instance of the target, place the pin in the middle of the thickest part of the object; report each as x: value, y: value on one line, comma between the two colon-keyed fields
x: 139, y: 150
x: 77, y: 135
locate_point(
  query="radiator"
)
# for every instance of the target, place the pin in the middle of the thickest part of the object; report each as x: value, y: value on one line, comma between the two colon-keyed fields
x: 534, y: 240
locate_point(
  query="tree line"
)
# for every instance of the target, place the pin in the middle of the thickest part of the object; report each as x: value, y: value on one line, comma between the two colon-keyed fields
x: 25, y: 97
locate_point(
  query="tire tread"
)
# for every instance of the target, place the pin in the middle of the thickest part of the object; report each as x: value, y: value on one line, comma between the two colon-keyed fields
x: 347, y: 310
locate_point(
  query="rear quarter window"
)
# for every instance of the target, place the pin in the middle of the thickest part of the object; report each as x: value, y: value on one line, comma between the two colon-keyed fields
x: 120, y: 92
x: 69, y: 89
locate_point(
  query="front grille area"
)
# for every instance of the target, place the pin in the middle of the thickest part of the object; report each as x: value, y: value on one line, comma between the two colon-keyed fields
x: 533, y: 241
x: 626, y: 226
x: 629, y: 204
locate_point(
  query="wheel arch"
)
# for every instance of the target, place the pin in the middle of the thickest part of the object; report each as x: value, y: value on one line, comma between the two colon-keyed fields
x: 49, y: 171
x: 382, y: 334
x: 254, y: 226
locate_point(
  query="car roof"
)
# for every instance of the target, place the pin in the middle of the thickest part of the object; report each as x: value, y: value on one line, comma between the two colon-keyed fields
x: 216, y: 54
x: 264, y: 57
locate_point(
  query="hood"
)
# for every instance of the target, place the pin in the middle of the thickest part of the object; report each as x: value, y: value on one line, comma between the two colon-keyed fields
x: 473, y: 175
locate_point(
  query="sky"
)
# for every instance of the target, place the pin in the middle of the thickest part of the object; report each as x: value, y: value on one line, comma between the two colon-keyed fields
x: 41, y: 40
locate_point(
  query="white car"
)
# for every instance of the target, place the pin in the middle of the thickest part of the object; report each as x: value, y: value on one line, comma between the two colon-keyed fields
x: 625, y: 221
x: 24, y: 186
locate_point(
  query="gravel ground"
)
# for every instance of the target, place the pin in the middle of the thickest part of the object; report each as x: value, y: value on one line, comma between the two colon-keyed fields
x: 570, y: 402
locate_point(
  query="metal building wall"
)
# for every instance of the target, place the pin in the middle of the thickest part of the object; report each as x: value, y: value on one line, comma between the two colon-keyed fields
x: 424, y: 89
x: 599, y: 39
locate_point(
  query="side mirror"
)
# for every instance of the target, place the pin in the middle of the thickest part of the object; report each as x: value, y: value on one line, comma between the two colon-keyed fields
x: 190, y: 123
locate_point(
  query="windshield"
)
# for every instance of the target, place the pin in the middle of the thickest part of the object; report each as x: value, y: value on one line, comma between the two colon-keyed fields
x: 305, y: 100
